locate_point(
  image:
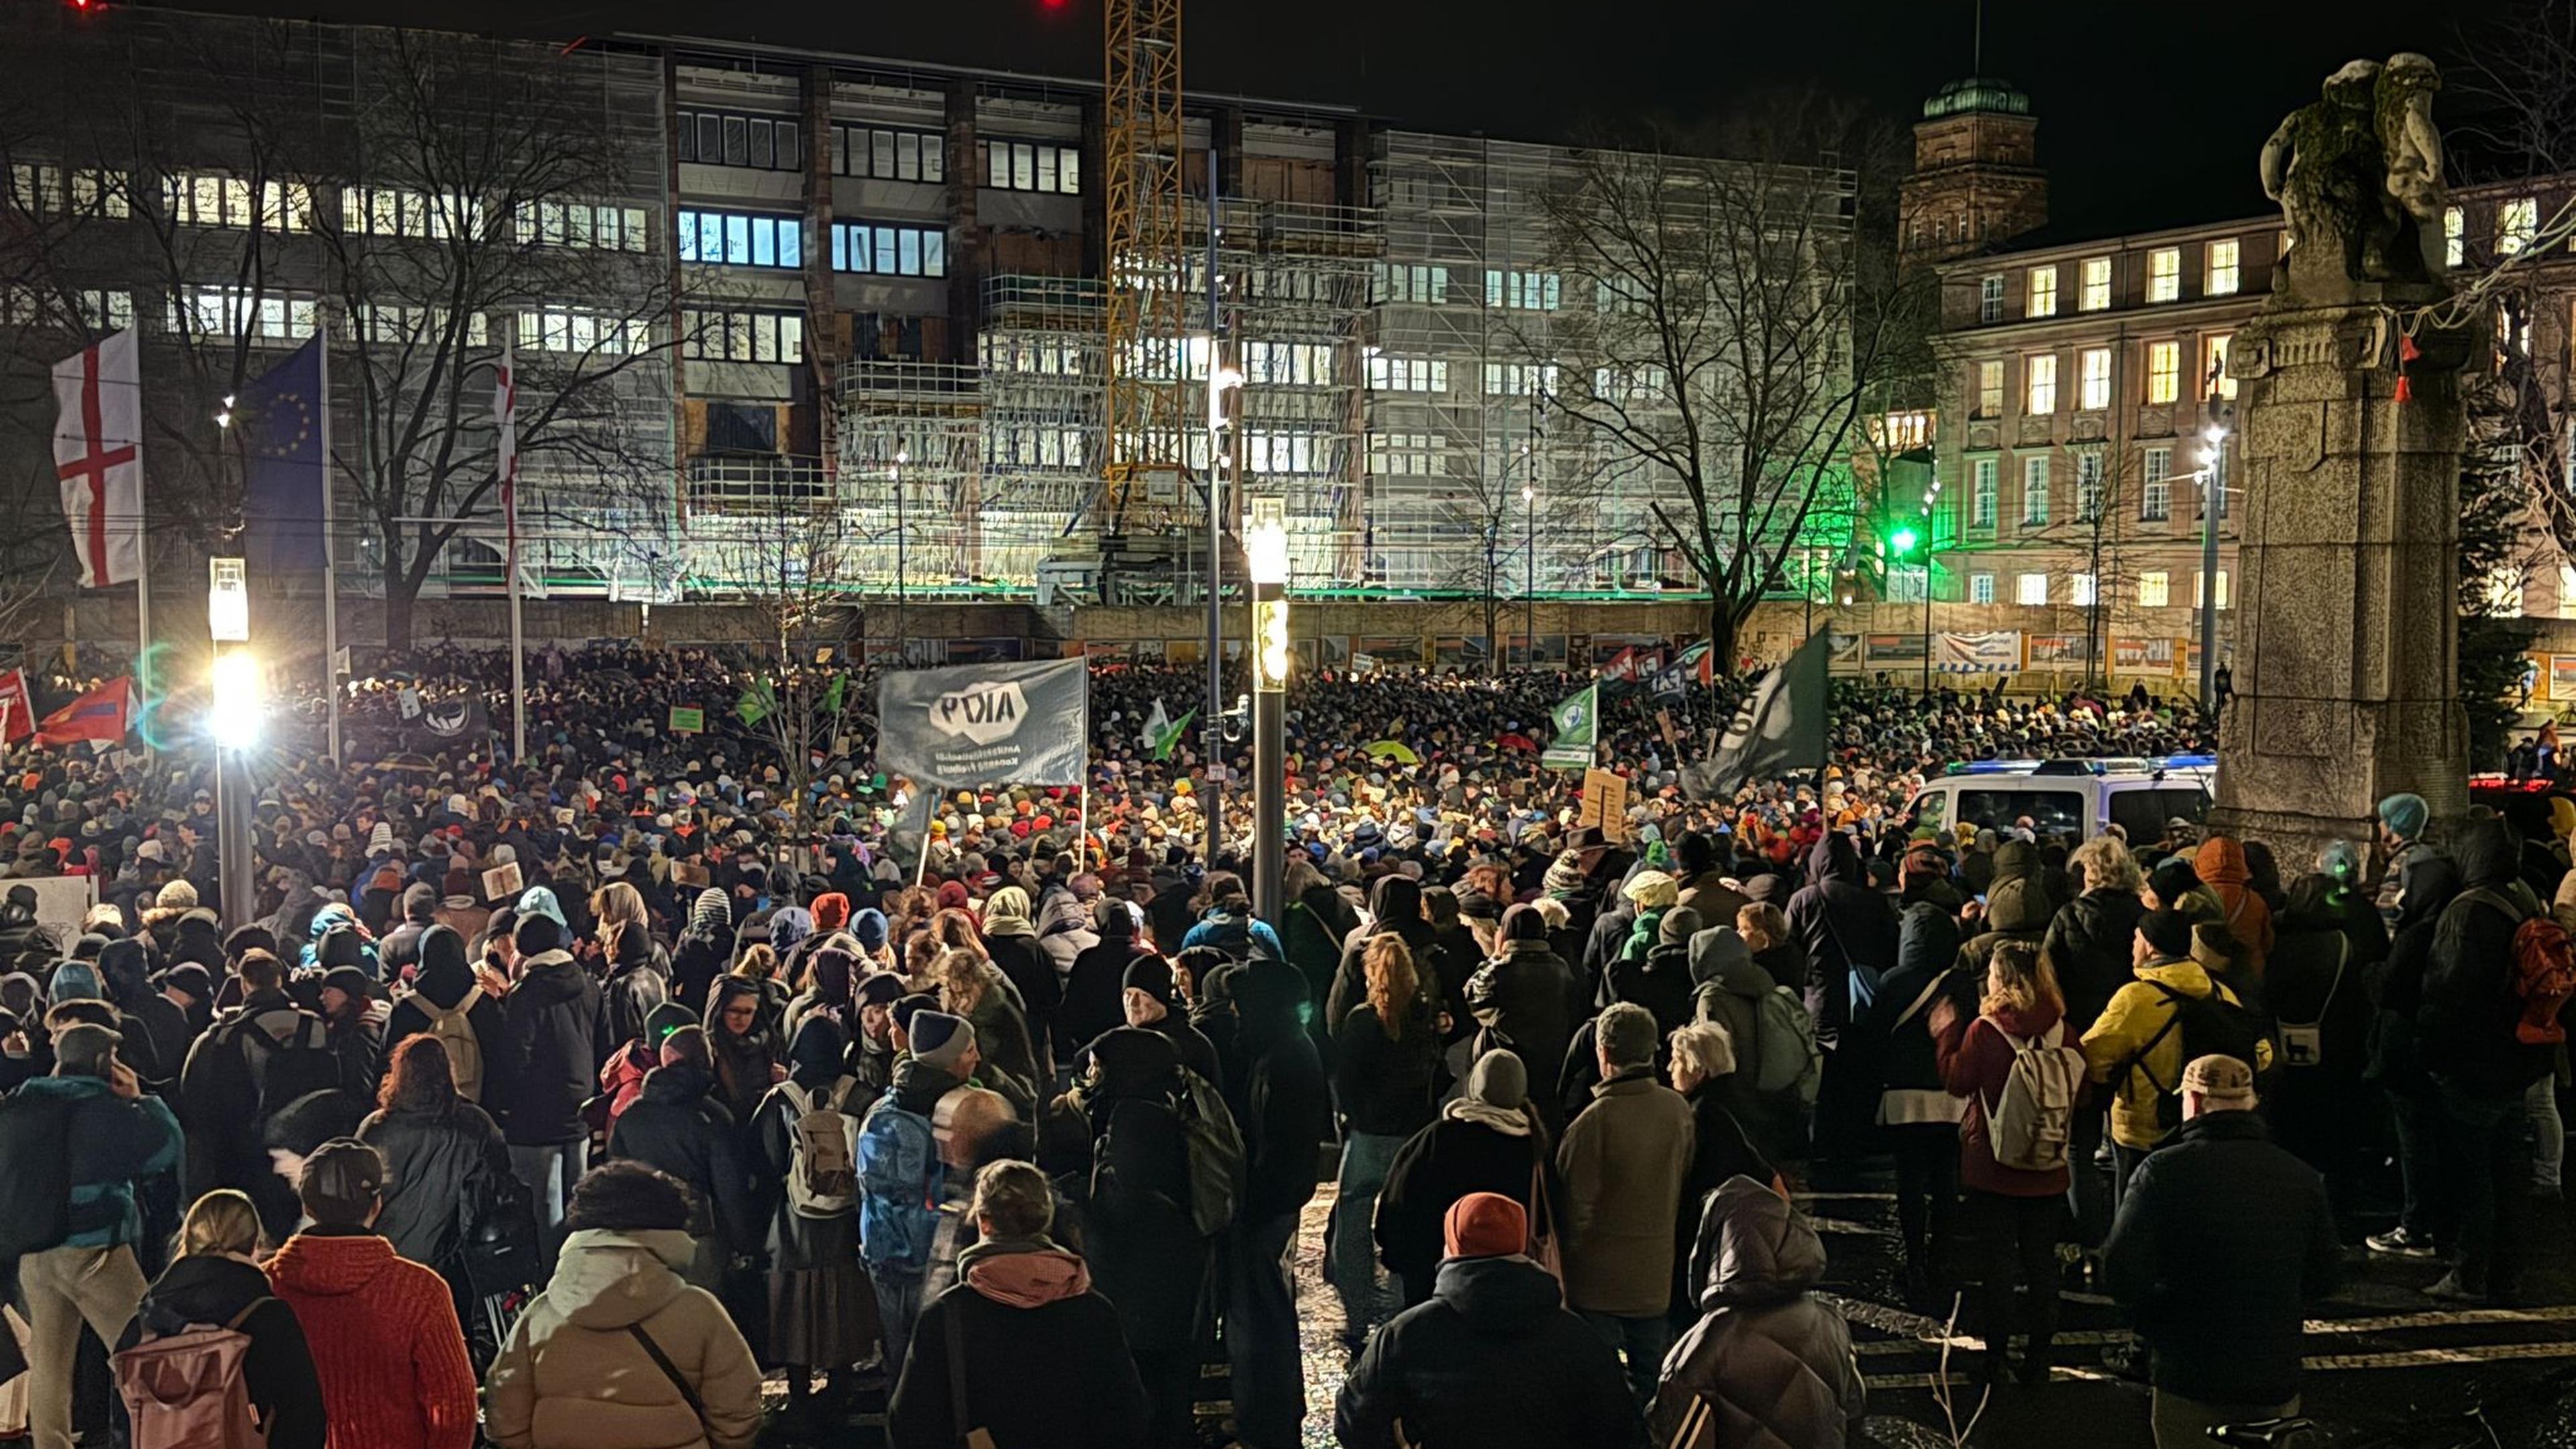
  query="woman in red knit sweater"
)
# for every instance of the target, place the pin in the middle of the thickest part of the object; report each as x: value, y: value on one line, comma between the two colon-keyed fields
x: 2011, y: 1214
x: 383, y: 1329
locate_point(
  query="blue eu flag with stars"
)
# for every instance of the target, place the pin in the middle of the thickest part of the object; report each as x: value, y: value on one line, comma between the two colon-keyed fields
x: 283, y: 470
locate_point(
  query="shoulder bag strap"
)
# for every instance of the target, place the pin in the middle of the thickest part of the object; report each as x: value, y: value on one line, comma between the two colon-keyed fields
x: 1921, y: 1001
x: 956, y: 1325
x: 2137, y: 1061
x: 233, y: 1324
x: 671, y: 1371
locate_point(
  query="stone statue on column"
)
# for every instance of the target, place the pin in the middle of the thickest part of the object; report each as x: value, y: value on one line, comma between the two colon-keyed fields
x: 2348, y: 447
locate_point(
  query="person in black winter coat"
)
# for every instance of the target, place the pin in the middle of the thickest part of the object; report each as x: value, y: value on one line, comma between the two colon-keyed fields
x: 1395, y: 907
x: 217, y: 1281
x: 746, y: 1055
x: 400, y: 948
x: 2396, y: 1067
x: 122, y: 970
x: 1151, y: 1000
x: 1274, y: 1084
x: 1660, y: 980
x: 551, y: 1056
x: 1891, y: 1042
x: 442, y: 986
x: 1140, y: 1238
x: 2480, y: 1071
x: 1493, y: 1361
x: 822, y: 1309
x: 1488, y: 1140
x: 1092, y: 990
x: 439, y: 1152
x: 705, y: 949
x: 2312, y: 987
x: 678, y: 1127
x: 1526, y: 1001
x: 220, y: 1089
x: 2089, y: 945
x: 2223, y: 1244
x: 1841, y: 924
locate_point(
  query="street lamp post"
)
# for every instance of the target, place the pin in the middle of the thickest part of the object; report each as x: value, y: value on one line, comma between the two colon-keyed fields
x: 1529, y: 576
x: 2213, y: 497
x: 1265, y: 557
x: 232, y: 725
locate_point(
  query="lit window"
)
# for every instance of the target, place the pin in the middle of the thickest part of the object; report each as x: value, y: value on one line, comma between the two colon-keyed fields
x: 2223, y: 270
x: 889, y: 251
x: 2153, y: 587
x: 1289, y: 364
x: 2455, y: 235
x: 2094, y: 385
x: 1408, y: 374
x: 2097, y: 285
x: 2034, y: 491
x: 2517, y: 223
x: 2213, y: 357
x: 1990, y: 389
x: 2164, y: 274
x: 1894, y: 432
x: 2043, y: 291
x: 1409, y: 282
x: 1519, y: 379
x: 2031, y: 589
x: 2088, y: 485
x: 889, y: 155
x: 2221, y: 601
x: 711, y: 335
x: 2079, y: 590
x: 2040, y: 390
x: 244, y: 312
x: 1008, y: 165
x: 1981, y: 588
x: 2155, y: 495
x: 2164, y: 372
x: 1990, y: 299
x: 736, y: 239
x: 1981, y: 495
x: 1522, y: 291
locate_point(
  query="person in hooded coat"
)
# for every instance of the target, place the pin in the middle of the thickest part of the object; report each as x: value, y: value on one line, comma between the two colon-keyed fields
x: 1275, y: 1087
x: 1064, y: 933
x: 1657, y: 977
x: 400, y: 948
x: 444, y: 990
x: 1493, y: 1360
x: 1318, y: 920
x: 2018, y: 908
x: 677, y: 1127
x: 637, y: 980
x: 2220, y: 864
x: 1093, y: 989
x: 1728, y: 991
x: 747, y: 1056
x: 1143, y: 1245
x: 1847, y: 930
x: 2313, y: 979
x: 830, y: 977
x: 439, y: 1151
x: 574, y: 1373
x: 705, y: 948
x: 1488, y: 1140
x: 822, y: 1309
x: 1045, y: 1357
x: 1527, y: 1001
x: 1011, y: 941
x: 1395, y: 906
x: 1917, y: 1116
x: 162, y: 1022
x: 1768, y: 1363
x: 550, y: 1056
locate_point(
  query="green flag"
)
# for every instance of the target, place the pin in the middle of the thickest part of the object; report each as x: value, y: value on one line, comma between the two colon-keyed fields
x: 832, y: 694
x: 755, y: 705
x: 1171, y: 735
x: 1577, y: 720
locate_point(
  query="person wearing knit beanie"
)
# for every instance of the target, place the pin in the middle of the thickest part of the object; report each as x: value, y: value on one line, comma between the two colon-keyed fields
x: 1565, y: 876
x: 1485, y: 1225
x: 945, y: 1042
x: 537, y: 934
x: 831, y: 912
x: 2167, y: 933
x: 869, y: 929
x: 711, y: 911
x: 2403, y: 815
x: 665, y: 1019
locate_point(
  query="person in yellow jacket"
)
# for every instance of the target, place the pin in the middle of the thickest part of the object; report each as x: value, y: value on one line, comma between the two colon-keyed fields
x: 2118, y: 1042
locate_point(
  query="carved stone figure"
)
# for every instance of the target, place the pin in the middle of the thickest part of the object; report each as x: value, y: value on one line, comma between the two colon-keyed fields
x: 2358, y: 174
x: 2411, y: 147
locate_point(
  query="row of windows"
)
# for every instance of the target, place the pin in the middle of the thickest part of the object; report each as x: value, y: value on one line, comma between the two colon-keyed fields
x: 1408, y: 374
x: 2222, y: 274
x: 1031, y: 446
x: 576, y: 330
x: 2155, y: 490
x: 1025, y: 355
x: 38, y: 189
x: 96, y: 309
x: 730, y: 335
x: 1032, y: 166
x: 1407, y: 455
x: 1290, y: 364
x: 1409, y: 282
x: 1519, y: 379
x: 580, y: 224
x: 889, y: 251
x: 221, y: 311
x: 741, y: 239
x: 1523, y: 291
x: 2163, y: 381
x: 211, y: 199
x: 886, y: 154
x: 2155, y: 589
x: 733, y: 138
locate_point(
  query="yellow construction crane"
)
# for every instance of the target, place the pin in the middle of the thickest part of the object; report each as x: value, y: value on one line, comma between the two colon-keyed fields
x: 1148, y: 266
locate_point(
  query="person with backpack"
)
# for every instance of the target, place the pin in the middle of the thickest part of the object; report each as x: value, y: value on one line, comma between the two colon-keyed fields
x: 1022, y: 1345
x: 678, y: 1127
x: 620, y: 1350
x: 447, y: 1002
x: 81, y: 1140
x: 900, y: 1174
x: 262, y: 1055
x: 2495, y: 986
x: 805, y: 1136
x: 2223, y: 1245
x: 550, y: 1056
x: 2172, y: 1013
x: 1848, y: 933
x: 1229, y: 925
x: 383, y: 1330
x: 2019, y: 1075
x: 214, y: 1300
x: 2088, y: 948
x: 1146, y: 1247
x: 1777, y: 1064
x: 439, y: 1151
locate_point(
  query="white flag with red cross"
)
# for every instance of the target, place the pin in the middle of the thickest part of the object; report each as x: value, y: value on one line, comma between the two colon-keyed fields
x: 98, y: 455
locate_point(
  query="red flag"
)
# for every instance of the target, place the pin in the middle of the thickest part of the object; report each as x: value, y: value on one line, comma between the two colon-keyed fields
x: 17, y: 711
x: 105, y: 713
x: 1622, y: 667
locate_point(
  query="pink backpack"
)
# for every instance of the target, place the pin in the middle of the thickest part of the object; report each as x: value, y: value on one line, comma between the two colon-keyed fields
x: 186, y: 1390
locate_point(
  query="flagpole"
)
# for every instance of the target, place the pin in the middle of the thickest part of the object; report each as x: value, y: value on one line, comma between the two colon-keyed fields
x: 142, y: 572
x: 330, y: 538
x: 1596, y: 723
x: 509, y: 421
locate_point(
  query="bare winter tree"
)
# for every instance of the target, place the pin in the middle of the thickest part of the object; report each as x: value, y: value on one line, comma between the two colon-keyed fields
x: 796, y: 571
x: 1727, y: 327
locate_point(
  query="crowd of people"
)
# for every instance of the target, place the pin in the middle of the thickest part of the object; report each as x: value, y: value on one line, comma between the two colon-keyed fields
x: 567, y: 1100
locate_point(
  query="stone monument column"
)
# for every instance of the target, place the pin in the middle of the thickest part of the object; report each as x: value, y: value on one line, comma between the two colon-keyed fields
x: 2347, y: 635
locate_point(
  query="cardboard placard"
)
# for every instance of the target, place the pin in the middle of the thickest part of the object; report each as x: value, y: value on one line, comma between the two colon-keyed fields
x: 501, y: 883
x: 688, y: 721
x: 690, y: 873
x: 1605, y: 803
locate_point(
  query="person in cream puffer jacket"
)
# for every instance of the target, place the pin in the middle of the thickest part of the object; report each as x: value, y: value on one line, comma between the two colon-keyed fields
x: 576, y: 1374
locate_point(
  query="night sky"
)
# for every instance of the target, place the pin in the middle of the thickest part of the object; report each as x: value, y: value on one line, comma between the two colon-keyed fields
x: 2150, y: 114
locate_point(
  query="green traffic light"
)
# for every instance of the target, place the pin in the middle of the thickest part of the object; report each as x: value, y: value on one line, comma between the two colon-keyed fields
x: 1902, y: 541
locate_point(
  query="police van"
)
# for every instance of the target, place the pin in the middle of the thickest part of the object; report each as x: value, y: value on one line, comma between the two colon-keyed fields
x: 2071, y: 799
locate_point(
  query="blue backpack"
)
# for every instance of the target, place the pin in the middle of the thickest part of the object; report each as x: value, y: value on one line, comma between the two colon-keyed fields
x: 900, y: 1176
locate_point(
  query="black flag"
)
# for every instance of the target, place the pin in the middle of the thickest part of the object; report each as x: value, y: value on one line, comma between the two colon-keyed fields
x: 1779, y: 729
